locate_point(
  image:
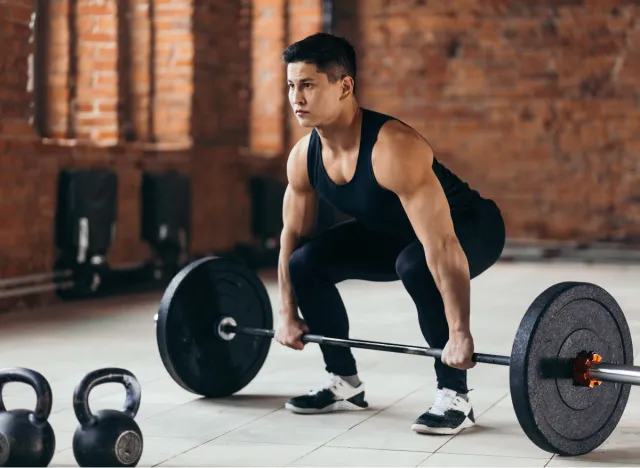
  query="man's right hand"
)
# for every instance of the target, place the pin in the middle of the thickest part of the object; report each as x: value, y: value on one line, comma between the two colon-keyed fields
x: 290, y: 331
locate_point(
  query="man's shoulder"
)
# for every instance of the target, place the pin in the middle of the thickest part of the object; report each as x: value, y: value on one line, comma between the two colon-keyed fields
x: 397, y: 139
x: 389, y: 124
x: 301, y: 147
x: 401, y: 156
x: 394, y: 130
x: 297, y: 161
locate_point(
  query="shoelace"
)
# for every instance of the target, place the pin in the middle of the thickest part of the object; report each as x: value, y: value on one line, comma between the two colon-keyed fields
x: 330, y: 384
x: 444, y: 399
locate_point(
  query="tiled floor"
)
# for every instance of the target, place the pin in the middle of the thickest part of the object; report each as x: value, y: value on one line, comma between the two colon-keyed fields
x: 252, y: 428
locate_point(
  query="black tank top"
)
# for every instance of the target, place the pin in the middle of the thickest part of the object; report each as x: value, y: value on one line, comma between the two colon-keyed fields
x: 362, y: 197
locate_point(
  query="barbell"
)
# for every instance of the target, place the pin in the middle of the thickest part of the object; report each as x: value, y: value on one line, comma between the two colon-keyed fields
x: 570, y: 368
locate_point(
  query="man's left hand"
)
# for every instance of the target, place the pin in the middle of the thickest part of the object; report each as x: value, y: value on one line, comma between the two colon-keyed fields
x: 458, y: 351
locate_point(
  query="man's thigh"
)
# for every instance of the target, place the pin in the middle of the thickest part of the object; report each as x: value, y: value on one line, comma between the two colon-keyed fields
x: 481, y: 233
x: 351, y: 251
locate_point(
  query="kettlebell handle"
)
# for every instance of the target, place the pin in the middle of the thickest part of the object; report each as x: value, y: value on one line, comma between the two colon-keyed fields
x: 99, y: 377
x: 44, y: 398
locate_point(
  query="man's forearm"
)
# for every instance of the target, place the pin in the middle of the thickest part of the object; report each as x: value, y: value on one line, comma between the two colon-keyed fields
x: 450, y: 271
x: 288, y: 244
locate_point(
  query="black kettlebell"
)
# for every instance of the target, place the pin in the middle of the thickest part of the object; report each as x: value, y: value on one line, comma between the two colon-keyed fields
x: 26, y: 437
x: 108, y: 437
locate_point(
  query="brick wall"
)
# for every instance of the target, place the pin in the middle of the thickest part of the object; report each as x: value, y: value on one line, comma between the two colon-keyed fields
x: 130, y: 85
x: 533, y: 103
x: 15, y: 92
x: 276, y: 23
x: 18, y: 171
x: 220, y: 122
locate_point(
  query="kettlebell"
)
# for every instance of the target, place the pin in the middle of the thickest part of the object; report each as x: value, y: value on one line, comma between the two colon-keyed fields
x: 108, y: 437
x: 26, y: 437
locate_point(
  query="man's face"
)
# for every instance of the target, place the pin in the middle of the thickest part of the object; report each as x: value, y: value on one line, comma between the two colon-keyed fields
x: 313, y: 98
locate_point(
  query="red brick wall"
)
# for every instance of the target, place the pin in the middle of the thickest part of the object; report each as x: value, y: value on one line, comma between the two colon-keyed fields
x: 533, y: 103
x: 15, y: 95
x: 54, y: 91
x: 276, y: 23
x: 18, y: 169
x: 268, y: 35
x: 304, y: 18
x: 220, y: 124
x: 129, y: 85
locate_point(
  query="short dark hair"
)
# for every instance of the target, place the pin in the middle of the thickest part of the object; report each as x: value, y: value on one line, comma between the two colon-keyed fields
x: 333, y: 55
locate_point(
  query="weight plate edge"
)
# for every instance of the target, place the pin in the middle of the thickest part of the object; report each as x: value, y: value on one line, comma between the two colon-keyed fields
x: 163, y: 312
x: 518, y: 389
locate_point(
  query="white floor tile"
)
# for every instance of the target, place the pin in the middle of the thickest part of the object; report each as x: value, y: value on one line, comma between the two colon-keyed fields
x: 284, y: 427
x: 251, y: 428
x: 336, y: 456
x: 234, y: 453
x: 155, y: 450
x: 442, y: 459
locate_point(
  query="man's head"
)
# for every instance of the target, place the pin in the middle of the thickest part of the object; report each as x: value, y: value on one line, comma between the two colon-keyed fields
x: 321, y: 73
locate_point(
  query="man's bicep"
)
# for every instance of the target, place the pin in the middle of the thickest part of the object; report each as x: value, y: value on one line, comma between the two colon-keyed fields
x: 299, y: 210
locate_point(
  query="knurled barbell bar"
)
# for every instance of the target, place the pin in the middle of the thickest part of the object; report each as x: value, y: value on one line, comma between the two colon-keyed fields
x: 228, y: 328
x: 215, y: 320
x: 588, y: 368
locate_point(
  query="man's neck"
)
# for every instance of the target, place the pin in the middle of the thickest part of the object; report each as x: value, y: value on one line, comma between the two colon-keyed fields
x: 343, y: 133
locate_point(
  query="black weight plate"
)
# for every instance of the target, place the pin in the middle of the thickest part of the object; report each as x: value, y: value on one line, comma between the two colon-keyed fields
x: 197, y: 297
x: 556, y: 414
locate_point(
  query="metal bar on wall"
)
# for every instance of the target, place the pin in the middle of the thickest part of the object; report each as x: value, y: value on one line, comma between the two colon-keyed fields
x: 34, y: 278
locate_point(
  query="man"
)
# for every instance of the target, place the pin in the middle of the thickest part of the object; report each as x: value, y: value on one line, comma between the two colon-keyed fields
x: 412, y: 220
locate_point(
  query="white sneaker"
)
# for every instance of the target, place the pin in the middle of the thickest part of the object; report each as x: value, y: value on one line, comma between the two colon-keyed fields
x: 334, y: 395
x: 450, y: 413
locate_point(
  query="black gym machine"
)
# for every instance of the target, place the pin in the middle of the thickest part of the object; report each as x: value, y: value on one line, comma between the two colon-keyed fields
x: 86, y: 227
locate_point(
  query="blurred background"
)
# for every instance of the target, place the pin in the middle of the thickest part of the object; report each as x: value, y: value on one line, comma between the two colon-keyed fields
x: 137, y: 135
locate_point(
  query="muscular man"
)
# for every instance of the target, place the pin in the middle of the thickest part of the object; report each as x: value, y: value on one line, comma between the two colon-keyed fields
x: 411, y: 220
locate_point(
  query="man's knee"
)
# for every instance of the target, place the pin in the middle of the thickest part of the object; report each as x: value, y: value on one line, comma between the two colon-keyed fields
x: 299, y: 262
x: 411, y: 266
x: 305, y: 262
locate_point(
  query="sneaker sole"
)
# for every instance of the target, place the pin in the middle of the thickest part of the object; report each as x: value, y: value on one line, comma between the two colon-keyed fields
x: 342, y: 405
x: 422, y: 429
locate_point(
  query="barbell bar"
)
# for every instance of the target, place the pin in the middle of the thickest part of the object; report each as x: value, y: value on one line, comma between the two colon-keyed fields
x: 597, y: 372
x: 215, y: 323
x: 227, y: 328
x: 620, y: 373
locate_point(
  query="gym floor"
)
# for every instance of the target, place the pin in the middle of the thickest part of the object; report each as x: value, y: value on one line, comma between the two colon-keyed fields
x: 251, y: 428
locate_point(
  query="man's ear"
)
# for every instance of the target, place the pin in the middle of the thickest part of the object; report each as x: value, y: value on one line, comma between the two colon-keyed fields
x: 347, y: 86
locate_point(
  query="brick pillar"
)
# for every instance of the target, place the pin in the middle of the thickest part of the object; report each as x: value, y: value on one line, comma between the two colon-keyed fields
x: 95, y: 109
x: 268, y: 77
x: 304, y: 19
x: 140, y: 70
x: 52, y: 68
x: 173, y: 67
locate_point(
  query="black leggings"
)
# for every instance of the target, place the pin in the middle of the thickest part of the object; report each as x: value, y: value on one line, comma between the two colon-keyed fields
x: 351, y: 251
